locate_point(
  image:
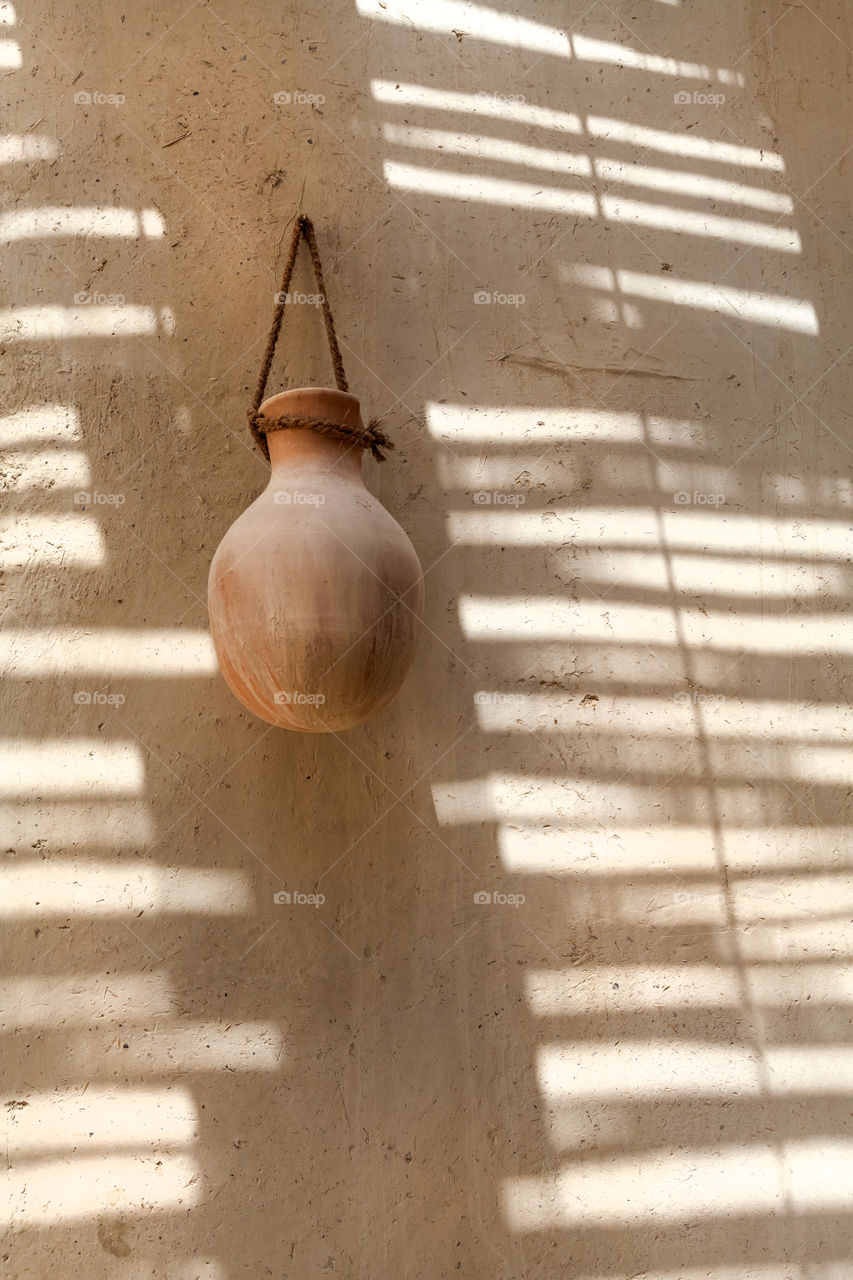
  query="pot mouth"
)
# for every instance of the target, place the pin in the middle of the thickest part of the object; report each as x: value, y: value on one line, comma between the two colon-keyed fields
x: 322, y: 403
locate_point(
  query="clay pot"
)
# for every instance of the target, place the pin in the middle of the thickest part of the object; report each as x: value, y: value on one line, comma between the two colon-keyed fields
x: 315, y: 592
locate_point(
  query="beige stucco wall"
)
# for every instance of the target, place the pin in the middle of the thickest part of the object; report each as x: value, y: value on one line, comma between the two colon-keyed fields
x: 625, y: 708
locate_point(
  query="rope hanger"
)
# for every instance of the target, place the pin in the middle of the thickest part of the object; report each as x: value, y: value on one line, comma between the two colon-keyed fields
x: 369, y: 437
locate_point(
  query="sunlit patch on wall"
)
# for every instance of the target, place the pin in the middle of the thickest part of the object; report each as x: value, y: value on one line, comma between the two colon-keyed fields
x: 697, y: 185
x: 80, y: 1187
x: 732, y: 304
x: 82, y: 766
x: 46, y: 223
x: 102, y: 1117
x: 678, y: 143
x: 178, y: 1047
x: 705, y: 529
x: 599, y: 988
x: 44, y: 468
x: 478, y: 21
x: 10, y: 56
x: 489, y: 148
x: 506, y: 618
x: 26, y: 148
x: 73, y: 651
x: 674, y: 715
x: 606, y: 208
x: 482, y: 105
x: 496, y: 425
x: 40, y: 424
x: 96, y: 320
x: 88, y: 887
x: 51, y: 540
x: 112, y: 823
x: 85, y: 1000
x: 663, y: 1187
x: 659, y: 850
x: 657, y: 1069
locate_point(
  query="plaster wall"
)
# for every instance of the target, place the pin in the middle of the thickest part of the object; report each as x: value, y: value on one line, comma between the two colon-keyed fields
x: 589, y: 264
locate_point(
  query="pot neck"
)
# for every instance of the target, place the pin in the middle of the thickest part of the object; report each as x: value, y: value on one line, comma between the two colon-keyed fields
x: 295, y: 448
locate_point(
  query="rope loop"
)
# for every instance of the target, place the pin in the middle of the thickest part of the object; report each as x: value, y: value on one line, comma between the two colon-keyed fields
x: 372, y: 437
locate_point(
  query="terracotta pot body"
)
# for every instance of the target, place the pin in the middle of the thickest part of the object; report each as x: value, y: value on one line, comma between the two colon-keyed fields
x: 315, y: 592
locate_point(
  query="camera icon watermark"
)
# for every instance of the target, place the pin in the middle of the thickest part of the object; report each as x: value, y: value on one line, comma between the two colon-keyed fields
x: 287, y: 98
x: 297, y: 498
x: 85, y: 698
x: 697, y: 99
x: 95, y: 499
x: 487, y: 698
x: 505, y: 99
x: 284, y: 898
x: 685, y: 499
x: 483, y: 898
x: 94, y: 98
x: 304, y: 299
x: 297, y: 699
x: 686, y: 697
x: 486, y: 297
x: 492, y: 497
x: 99, y: 299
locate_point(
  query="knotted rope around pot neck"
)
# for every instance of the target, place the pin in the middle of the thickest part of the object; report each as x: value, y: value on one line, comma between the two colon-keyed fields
x: 370, y: 437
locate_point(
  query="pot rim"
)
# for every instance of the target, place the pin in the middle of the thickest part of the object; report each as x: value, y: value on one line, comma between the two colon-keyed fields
x: 326, y: 403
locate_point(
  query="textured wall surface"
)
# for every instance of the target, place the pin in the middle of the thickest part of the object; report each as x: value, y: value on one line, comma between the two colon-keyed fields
x: 588, y: 262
